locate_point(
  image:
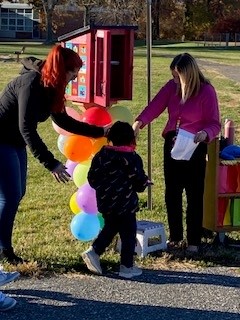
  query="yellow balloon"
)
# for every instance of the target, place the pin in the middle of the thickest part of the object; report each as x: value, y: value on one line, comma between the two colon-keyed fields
x: 80, y: 173
x: 98, y: 144
x: 73, y: 204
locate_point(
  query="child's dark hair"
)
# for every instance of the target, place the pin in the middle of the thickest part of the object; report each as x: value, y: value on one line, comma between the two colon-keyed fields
x: 121, y: 134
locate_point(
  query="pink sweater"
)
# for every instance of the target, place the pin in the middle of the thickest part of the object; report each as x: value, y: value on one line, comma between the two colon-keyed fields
x: 197, y: 113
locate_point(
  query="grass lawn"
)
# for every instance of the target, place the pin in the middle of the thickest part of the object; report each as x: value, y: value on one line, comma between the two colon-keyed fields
x: 42, y: 233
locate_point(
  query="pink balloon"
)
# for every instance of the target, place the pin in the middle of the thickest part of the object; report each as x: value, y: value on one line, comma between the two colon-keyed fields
x: 86, y: 199
x: 70, y: 165
x: 72, y: 113
x: 60, y: 130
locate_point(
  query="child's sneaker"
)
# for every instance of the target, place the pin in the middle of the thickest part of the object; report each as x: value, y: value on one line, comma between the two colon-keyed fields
x: 6, y: 277
x: 6, y: 303
x: 128, y: 273
x: 92, y: 261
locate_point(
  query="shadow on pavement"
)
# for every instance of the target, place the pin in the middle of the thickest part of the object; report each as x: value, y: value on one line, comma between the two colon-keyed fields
x: 185, y: 277
x: 65, y: 306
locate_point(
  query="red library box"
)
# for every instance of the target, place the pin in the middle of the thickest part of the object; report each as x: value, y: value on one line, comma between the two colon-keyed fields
x: 107, y: 73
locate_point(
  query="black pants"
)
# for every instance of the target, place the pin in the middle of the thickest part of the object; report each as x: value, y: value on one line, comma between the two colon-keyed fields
x: 188, y: 175
x: 126, y: 226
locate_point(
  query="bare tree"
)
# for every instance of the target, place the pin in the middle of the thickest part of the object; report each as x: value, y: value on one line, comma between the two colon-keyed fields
x: 112, y: 12
x: 47, y: 6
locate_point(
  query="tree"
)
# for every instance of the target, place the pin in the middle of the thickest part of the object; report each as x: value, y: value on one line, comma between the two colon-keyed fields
x: 112, y: 12
x: 156, y: 19
x: 197, y: 19
x: 88, y: 4
x: 227, y: 16
x: 47, y: 6
x: 223, y: 8
x: 171, y: 19
x: 202, y: 15
x: 97, y: 11
x: 229, y: 25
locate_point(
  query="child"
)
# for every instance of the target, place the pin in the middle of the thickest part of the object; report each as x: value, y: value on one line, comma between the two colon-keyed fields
x: 117, y: 174
x: 7, y: 303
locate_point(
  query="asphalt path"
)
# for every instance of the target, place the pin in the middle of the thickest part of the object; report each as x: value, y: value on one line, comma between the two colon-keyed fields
x: 211, y: 293
x: 231, y: 72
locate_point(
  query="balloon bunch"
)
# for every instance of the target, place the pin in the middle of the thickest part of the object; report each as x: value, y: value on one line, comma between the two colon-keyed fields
x: 79, y: 151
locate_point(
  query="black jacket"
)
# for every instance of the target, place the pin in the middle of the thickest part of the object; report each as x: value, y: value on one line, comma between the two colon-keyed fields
x: 24, y: 103
x: 117, y: 175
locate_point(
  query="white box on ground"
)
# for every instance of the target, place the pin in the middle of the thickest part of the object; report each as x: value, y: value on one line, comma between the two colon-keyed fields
x: 150, y: 237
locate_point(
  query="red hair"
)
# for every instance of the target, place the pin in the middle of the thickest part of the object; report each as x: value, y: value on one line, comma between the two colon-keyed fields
x: 58, y: 62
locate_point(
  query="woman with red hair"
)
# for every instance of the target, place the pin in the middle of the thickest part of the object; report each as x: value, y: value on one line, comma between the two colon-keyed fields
x: 34, y: 96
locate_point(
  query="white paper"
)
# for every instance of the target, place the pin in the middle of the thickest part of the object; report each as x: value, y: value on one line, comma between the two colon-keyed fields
x: 184, y: 145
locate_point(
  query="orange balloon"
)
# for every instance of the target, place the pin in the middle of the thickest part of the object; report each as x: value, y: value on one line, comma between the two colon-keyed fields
x: 98, y: 144
x: 78, y: 148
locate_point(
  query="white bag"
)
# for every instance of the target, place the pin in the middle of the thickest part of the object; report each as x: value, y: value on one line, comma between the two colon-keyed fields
x: 184, y: 145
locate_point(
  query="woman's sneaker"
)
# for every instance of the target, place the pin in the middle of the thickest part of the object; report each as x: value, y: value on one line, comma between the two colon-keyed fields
x: 6, y: 277
x: 175, y: 245
x: 92, y: 261
x: 6, y: 303
x: 191, y: 248
x: 192, y: 251
x: 128, y: 273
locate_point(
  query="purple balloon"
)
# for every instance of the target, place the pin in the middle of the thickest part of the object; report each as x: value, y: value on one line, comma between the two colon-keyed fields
x: 70, y: 165
x: 86, y: 199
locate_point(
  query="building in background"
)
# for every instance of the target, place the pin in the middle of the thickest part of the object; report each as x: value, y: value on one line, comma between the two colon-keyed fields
x: 19, y: 21
x: 22, y: 21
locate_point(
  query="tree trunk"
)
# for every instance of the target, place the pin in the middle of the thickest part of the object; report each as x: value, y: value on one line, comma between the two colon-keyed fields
x: 187, y: 18
x: 49, y: 32
x: 48, y: 7
x: 156, y: 19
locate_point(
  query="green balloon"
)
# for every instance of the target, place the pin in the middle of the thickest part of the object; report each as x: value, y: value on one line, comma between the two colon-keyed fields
x: 80, y: 173
x: 101, y: 220
x: 121, y: 113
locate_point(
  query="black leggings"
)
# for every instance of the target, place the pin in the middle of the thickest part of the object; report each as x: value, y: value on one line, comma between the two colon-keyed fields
x: 188, y: 175
x: 126, y: 226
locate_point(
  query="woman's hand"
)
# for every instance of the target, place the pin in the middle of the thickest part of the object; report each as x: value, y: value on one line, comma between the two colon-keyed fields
x: 200, y: 136
x: 136, y: 127
x: 60, y: 173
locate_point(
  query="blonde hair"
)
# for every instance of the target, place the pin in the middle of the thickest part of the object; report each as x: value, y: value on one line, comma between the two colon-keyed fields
x: 190, y: 76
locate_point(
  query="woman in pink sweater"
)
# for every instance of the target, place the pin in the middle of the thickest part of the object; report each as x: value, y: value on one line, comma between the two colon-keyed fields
x: 192, y: 107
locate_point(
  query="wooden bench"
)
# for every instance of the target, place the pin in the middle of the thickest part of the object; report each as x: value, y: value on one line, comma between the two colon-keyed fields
x: 207, y: 43
x: 18, y: 53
